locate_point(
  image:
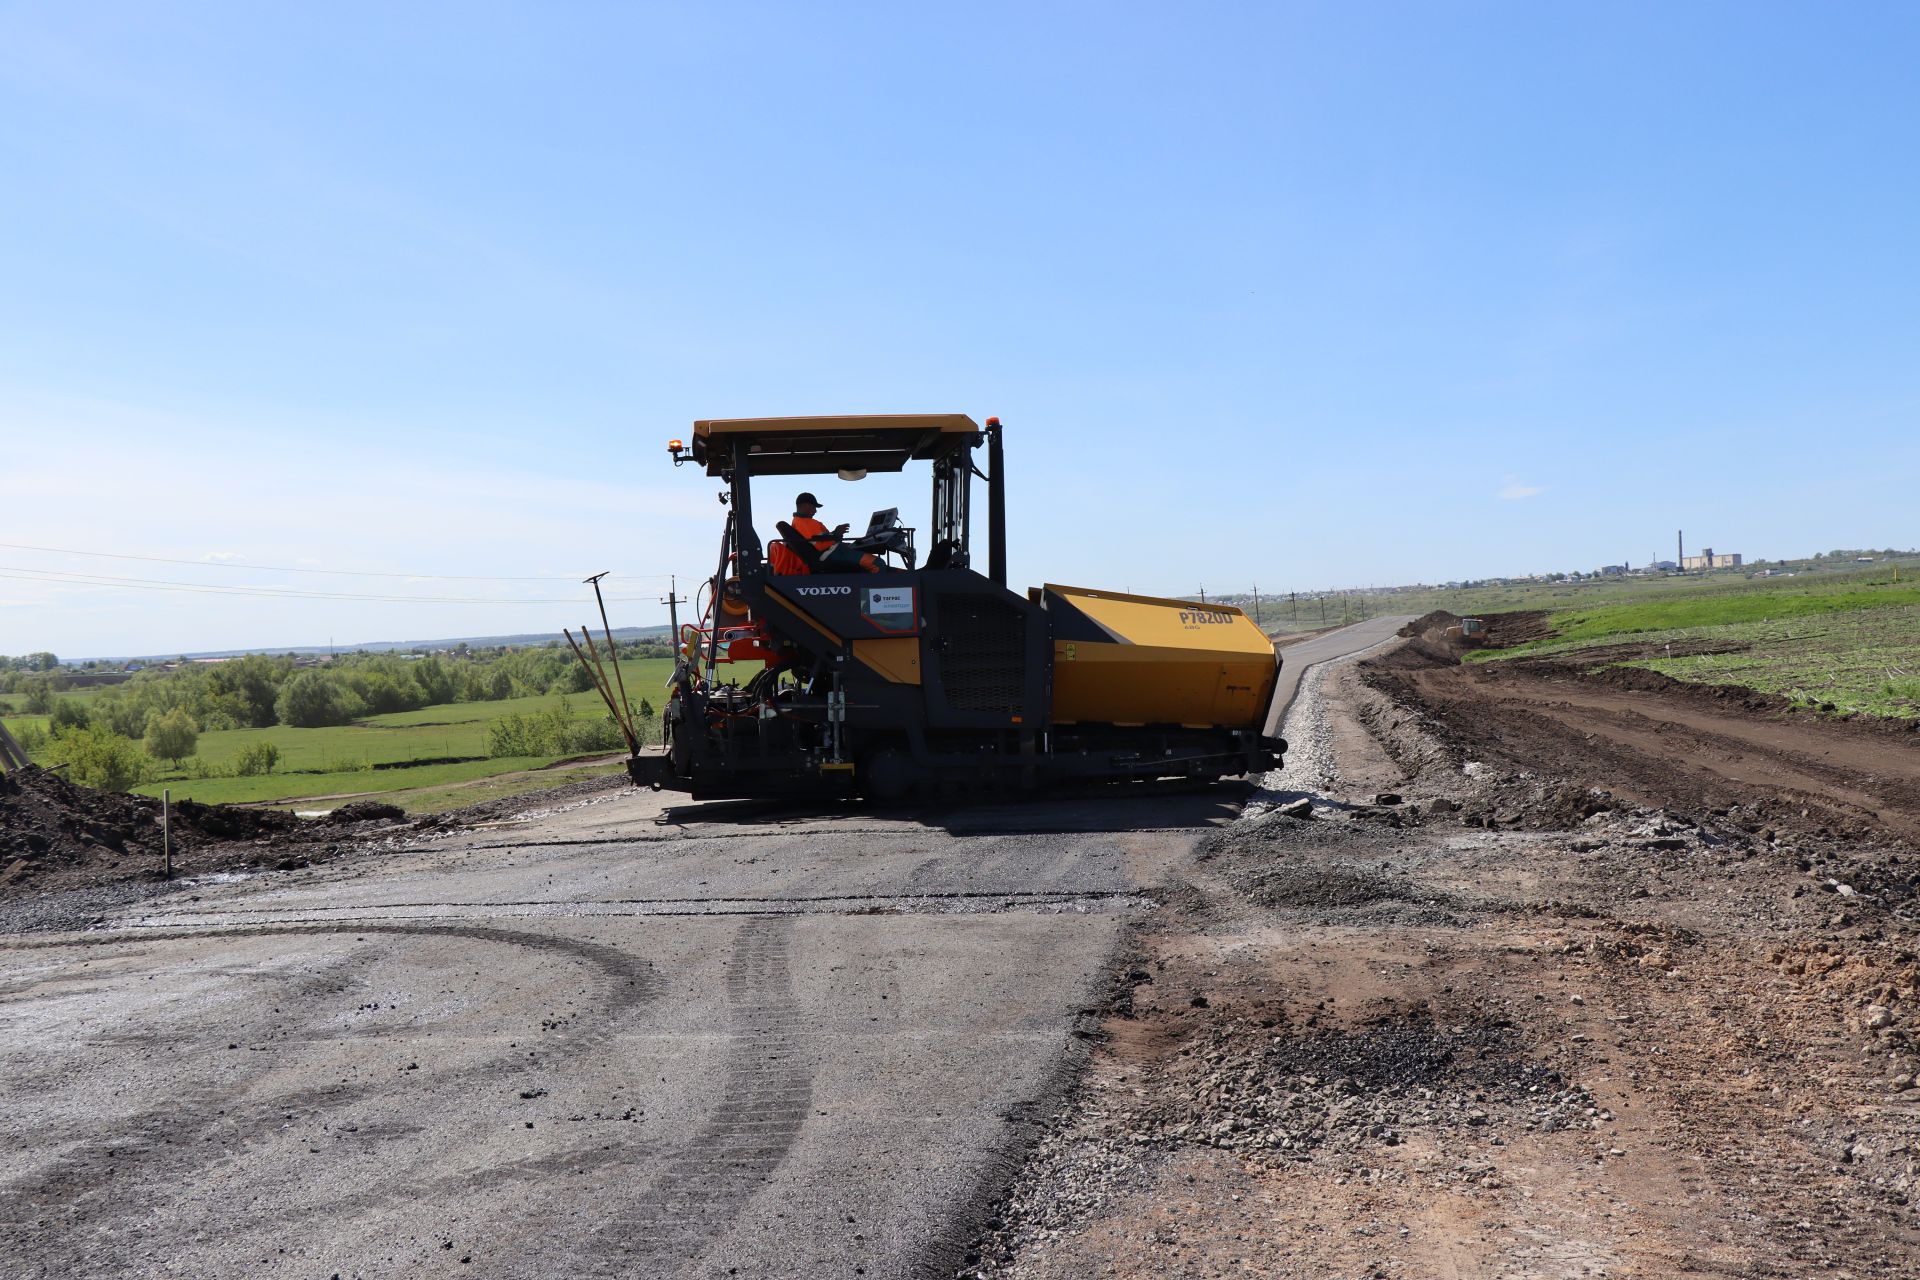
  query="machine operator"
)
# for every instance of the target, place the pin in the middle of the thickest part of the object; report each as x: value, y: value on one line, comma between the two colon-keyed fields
x: 835, y: 558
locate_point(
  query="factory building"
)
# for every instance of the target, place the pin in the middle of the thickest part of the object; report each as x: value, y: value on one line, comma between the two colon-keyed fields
x: 1708, y: 560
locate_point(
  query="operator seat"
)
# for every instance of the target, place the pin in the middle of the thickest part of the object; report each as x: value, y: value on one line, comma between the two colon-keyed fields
x: 811, y: 559
x: 793, y: 554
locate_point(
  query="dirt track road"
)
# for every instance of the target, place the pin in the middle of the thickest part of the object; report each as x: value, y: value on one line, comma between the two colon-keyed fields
x: 1503, y: 1025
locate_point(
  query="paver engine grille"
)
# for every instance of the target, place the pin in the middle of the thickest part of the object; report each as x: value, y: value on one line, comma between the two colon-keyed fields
x: 983, y: 666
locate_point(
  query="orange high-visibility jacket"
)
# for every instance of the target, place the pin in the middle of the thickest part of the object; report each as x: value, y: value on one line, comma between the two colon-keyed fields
x: 782, y: 559
x: 812, y: 530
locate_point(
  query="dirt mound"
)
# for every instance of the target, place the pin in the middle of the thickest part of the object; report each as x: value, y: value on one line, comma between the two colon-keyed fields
x: 365, y: 811
x: 46, y: 819
x: 1438, y: 620
x: 52, y: 829
x: 1522, y: 626
x: 1417, y: 654
x: 1327, y: 887
x: 1434, y: 646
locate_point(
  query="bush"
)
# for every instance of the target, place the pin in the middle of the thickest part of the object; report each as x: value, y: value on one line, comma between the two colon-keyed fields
x: 31, y: 737
x: 383, y: 695
x: 97, y: 758
x: 67, y: 714
x: 437, y: 684
x: 256, y: 758
x: 116, y: 713
x: 553, y: 732
x: 312, y: 700
x: 39, y: 697
x: 171, y: 736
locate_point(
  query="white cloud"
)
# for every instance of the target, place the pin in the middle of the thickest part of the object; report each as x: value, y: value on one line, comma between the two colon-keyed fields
x: 1514, y: 490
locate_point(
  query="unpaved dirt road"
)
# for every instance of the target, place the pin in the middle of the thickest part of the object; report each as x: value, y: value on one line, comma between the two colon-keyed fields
x: 1508, y: 1025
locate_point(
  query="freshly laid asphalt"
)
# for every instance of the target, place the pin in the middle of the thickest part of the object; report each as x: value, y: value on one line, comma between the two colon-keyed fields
x: 619, y: 1038
x: 1297, y: 659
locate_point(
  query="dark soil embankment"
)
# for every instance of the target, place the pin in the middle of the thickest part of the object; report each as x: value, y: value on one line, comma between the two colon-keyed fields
x: 54, y: 834
x: 1692, y: 748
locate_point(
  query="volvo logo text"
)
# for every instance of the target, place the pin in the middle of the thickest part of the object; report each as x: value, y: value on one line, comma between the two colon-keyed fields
x: 824, y: 591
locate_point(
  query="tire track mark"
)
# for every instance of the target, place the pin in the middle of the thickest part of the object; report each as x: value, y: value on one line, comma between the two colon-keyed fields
x: 766, y: 1092
x: 202, y: 1128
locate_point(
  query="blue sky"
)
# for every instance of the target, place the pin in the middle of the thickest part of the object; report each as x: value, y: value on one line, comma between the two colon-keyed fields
x: 1308, y: 295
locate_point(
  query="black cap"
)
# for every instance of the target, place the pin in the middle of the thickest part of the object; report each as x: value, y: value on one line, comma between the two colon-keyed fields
x: 808, y: 498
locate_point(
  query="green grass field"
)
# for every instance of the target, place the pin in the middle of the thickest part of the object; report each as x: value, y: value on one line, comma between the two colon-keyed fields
x: 1852, y: 643
x: 342, y: 759
x: 1865, y: 661
x: 355, y: 782
x: 1278, y: 614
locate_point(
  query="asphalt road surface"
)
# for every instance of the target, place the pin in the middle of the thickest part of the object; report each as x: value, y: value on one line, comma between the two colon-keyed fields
x: 619, y: 1038
x: 1297, y: 658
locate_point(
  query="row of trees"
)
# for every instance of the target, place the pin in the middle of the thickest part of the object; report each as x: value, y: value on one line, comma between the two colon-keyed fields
x: 116, y: 738
x: 257, y: 691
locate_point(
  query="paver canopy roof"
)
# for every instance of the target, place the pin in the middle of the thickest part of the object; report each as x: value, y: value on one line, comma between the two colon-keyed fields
x: 807, y: 446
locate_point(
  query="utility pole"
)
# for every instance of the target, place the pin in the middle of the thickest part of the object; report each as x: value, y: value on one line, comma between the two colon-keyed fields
x: 1203, y: 593
x: 1293, y: 605
x: 673, y: 603
x: 1256, y: 604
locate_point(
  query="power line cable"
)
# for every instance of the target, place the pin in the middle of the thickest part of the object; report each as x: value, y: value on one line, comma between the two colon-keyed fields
x: 281, y: 568
x: 288, y: 593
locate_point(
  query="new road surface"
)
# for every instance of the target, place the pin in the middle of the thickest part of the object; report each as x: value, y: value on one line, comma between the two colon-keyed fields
x: 1297, y: 659
x: 618, y: 1038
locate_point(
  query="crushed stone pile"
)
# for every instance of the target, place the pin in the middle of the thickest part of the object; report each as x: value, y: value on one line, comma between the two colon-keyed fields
x: 1256, y: 1089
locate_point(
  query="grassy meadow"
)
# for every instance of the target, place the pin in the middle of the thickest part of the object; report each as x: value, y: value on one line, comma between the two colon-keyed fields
x: 1850, y: 644
x: 426, y: 760
x: 1280, y: 615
